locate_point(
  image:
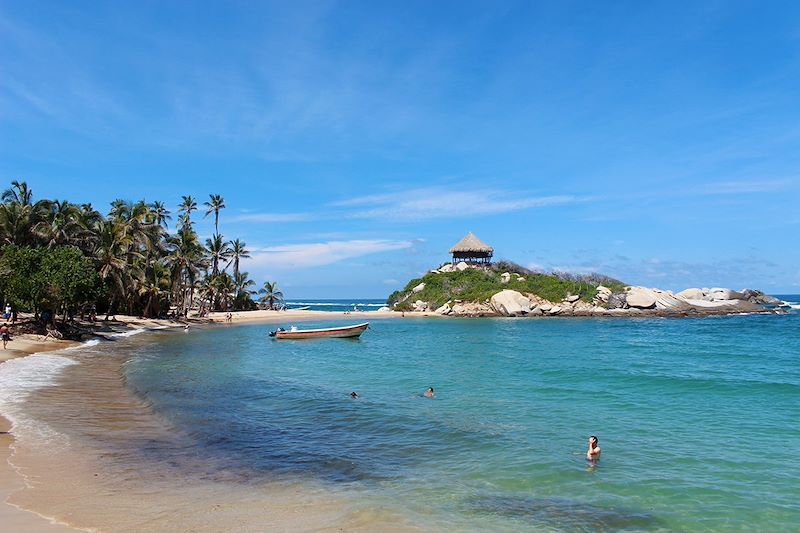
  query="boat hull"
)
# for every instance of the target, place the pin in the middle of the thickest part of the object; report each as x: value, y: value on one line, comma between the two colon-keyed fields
x: 347, y: 332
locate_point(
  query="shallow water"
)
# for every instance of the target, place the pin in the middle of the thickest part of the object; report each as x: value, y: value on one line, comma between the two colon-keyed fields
x: 697, y: 419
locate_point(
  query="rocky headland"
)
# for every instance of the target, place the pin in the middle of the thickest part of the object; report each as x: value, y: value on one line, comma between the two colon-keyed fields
x: 506, y: 289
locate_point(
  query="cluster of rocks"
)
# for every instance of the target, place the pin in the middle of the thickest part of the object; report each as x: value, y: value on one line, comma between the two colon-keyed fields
x: 633, y: 301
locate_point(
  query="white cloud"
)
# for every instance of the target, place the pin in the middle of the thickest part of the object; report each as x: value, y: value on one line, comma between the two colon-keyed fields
x: 433, y: 202
x: 321, y: 253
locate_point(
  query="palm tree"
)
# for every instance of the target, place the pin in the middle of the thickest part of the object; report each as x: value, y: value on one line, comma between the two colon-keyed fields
x: 215, y: 204
x: 224, y: 289
x: 18, y: 214
x: 59, y: 226
x: 237, y: 250
x: 270, y: 294
x: 18, y: 193
x: 218, y: 251
x: 242, y: 284
x: 186, y: 257
x: 112, y: 257
x: 160, y: 214
x: 187, y: 206
x: 154, y: 287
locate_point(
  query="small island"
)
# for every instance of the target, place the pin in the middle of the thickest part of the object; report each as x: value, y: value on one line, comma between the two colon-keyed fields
x: 471, y: 284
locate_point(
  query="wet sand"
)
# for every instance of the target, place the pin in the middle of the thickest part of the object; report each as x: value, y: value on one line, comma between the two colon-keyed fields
x: 85, y: 468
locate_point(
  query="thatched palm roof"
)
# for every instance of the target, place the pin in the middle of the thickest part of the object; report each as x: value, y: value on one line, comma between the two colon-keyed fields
x: 471, y: 243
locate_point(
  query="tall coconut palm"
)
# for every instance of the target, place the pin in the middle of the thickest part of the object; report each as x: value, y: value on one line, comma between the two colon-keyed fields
x: 186, y: 258
x: 270, y: 294
x: 237, y: 250
x: 218, y: 251
x: 112, y: 257
x: 215, y: 204
x: 188, y: 205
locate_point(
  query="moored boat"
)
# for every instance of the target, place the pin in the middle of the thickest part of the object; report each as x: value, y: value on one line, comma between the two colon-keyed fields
x: 340, y: 332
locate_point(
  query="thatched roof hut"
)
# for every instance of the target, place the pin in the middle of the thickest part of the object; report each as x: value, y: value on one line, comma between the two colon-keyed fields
x: 471, y: 249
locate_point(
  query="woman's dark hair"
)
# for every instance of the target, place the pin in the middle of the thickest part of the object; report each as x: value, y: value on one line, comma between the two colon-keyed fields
x: 594, y: 439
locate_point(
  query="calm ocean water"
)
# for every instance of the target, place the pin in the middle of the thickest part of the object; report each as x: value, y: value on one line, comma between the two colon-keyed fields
x: 341, y: 305
x: 698, y: 419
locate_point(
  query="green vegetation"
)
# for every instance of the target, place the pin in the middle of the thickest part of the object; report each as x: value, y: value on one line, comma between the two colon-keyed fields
x: 478, y: 285
x: 61, y: 257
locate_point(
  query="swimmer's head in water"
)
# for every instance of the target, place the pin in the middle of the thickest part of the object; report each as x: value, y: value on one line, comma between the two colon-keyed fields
x: 430, y: 389
x: 353, y: 394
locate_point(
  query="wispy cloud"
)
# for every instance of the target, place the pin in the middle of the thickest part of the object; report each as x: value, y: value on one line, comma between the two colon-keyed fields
x: 271, y: 217
x: 321, y: 253
x: 435, y: 202
x: 747, y: 187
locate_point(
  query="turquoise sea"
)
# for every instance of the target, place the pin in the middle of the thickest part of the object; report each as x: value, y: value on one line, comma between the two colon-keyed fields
x: 697, y: 418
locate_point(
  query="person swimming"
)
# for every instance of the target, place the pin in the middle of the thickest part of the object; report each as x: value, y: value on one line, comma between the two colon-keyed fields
x: 354, y: 395
x: 429, y: 393
x: 593, y: 453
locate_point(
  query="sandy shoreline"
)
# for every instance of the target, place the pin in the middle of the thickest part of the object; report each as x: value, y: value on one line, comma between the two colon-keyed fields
x: 13, y: 518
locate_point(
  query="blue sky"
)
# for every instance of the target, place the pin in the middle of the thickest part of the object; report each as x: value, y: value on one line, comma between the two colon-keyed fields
x: 355, y: 142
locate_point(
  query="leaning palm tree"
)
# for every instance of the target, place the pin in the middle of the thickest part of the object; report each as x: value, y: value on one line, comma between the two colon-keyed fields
x: 215, y: 204
x: 270, y: 294
x: 237, y: 250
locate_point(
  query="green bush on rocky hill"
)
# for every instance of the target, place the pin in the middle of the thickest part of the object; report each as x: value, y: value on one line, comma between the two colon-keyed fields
x: 478, y: 285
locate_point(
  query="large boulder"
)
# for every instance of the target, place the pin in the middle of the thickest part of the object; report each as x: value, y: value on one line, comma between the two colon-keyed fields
x: 640, y: 298
x: 447, y: 268
x: 665, y: 300
x: 444, y: 309
x: 418, y: 288
x: 602, y: 295
x: 556, y: 309
x: 462, y: 266
x: 572, y: 298
x: 718, y: 293
x: 616, y: 301
x: 420, y: 305
x: 510, y: 303
x: 691, y: 294
x: 505, y: 277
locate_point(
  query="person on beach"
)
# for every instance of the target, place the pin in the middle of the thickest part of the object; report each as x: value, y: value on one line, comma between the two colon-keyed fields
x: 6, y: 334
x: 429, y: 393
x: 7, y: 313
x: 593, y: 453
